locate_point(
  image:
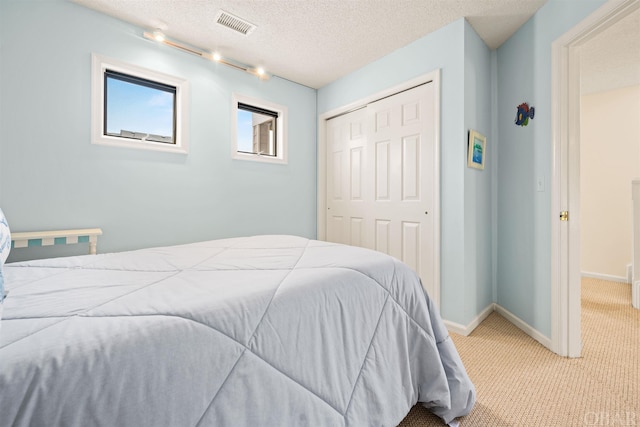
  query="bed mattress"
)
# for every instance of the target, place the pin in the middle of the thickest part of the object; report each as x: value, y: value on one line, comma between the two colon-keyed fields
x: 255, y: 331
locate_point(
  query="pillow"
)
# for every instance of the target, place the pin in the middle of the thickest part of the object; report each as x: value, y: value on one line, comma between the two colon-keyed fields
x: 5, y: 247
x: 1, y: 293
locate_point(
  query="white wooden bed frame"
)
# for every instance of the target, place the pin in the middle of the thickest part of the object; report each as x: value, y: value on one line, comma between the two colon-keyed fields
x: 57, y: 237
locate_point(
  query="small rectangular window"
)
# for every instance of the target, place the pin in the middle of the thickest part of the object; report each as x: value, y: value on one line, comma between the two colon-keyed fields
x: 259, y: 130
x: 136, y: 107
x: 139, y: 108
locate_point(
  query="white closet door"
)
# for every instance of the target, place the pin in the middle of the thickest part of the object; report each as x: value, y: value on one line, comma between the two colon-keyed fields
x: 346, y: 147
x: 380, y: 172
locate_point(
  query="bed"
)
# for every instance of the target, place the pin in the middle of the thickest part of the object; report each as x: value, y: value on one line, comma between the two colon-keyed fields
x: 251, y: 331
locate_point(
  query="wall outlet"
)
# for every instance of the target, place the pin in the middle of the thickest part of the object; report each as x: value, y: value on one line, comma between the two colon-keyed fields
x: 540, y: 184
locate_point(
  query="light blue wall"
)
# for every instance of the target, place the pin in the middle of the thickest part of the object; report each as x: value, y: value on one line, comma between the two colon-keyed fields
x: 479, y: 197
x: 524, y: 214
x: 52, y: 177
x: 453, y: 49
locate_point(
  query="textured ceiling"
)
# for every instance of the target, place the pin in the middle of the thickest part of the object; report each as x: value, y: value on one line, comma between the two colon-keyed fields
x: 315, y: 42
x: 611, y: 59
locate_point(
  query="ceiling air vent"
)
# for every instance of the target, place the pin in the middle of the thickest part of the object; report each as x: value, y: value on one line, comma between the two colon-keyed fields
x: 235, y: 23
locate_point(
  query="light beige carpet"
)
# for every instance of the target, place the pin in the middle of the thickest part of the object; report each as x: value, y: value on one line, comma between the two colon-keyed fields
x: 521, y: 383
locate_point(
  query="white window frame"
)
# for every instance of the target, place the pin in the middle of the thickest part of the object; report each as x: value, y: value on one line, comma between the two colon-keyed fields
x: 281, y: 156
x: 99, y: 65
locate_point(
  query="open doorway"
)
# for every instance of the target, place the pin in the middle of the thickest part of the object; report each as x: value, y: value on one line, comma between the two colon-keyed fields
x: 609, y: 148
x: 566, y: 126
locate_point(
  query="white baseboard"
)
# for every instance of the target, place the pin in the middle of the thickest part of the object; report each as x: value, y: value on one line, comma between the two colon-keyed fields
x: 635, y: 295
x: 456, y: 328
x: 602, y: 276
x: 522, y: 325
x: 519, y: 323
x: 466, y: 330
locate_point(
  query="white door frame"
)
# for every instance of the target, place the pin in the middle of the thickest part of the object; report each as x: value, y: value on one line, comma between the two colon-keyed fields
x: 565, y: 194
x: 433, y: 77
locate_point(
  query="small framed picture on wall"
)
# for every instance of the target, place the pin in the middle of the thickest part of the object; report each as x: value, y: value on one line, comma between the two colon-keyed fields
x: 477, y: 150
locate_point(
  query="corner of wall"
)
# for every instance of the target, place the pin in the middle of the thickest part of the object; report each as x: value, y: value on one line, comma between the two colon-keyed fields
x: 465, y: 330
x: 479, y: 191
x: 494, y: 175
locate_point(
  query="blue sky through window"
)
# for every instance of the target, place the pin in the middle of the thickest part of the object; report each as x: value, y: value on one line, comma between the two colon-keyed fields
x: 138, y: 108
x: 245, y: 131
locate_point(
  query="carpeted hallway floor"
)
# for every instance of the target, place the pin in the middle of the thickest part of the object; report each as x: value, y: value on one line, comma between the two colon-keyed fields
x: 521, y: 383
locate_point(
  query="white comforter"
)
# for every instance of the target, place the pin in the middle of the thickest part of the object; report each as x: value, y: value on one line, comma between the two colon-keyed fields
x: 259, y: 331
